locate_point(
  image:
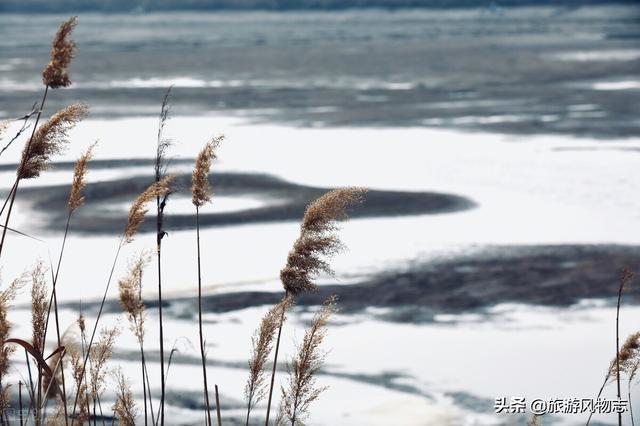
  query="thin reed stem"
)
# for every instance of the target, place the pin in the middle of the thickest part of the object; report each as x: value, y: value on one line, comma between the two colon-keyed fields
x: 630, y: 404
x: 54, y: 298
x: 162, y: 375
x: 95, y: 328
x: 20, y: 401
x: 15, y: 190
x: 218, y: 407
x: 32, y: 390
x: 202, y: 352
x: 618, y: 347
x: 146, y: 373
x: 275, y: 363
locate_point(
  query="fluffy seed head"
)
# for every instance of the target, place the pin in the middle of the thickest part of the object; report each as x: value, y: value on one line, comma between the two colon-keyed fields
x: 130, y: 294
x: 76, y: 199
x: 138, y: 209
x: 55, y: 74
x: 6, y: 297
x: 200, y: 177
x: 317, y: 239
x: 49, y: 139
x: 626, y: 276
x: 628, y: 357
x: 38, y: 305
x: 99, y: 355
x: 125, y: 407
x: 302, y: 389
x: 261, y: 345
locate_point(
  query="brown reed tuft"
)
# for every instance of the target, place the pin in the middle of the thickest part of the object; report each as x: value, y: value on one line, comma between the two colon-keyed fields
x: 6, y: 297
x: 317, y: 239
x: 76, y: 199
x: 57, y: 419
x: 129, y: 295
x: 628, y: 356
x: 99, y: 355
x: 536, y: 420
x: 302, y: 391
x: 262, y: 344
x: 38, y: 304
x: 138, y: 209
x: 200, y: 190
x: 48, y: 140
x: 55, y: 74
x: 124, y: 408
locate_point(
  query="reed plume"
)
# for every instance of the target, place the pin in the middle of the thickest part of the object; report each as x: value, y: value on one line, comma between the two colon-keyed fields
x: 629, y: 353
x: 48, y: 140
x: 317, y: 239
x: 76, y: 199
x: 38, y: 304
x: 124, y: 408
x: 55, y: 73
x: 98, y: 357
x: 316, y: 242
x: 6, y: 297
x: 536, y: 420
x: 201, y: 194
x: 303, y: 390
x: 261, y: 346
x: 139, y: 208
x: 58, y: 418
x: 133, y: 305
x: 38, y: 321
x: 200, y: 190
x: 130, y: 299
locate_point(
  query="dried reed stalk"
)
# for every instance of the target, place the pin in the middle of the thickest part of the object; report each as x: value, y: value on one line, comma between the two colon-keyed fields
x: 161, y: 165
x: 136, y: 216
x: 317, y: 241
x: 261, y: 346
x: 133, y: 305
x: 625, y: 278
x: 302, y: 390
x: 622, y: 357
x: 201, y: 194
x: 6, y: 297
x: 54, y: 75
x: 76, y: 199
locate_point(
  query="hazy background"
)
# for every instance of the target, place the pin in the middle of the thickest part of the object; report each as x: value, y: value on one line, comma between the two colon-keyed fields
x: 499, y: 141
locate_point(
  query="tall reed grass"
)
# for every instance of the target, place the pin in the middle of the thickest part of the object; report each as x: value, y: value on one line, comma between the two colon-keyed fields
x: 87, y: 356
